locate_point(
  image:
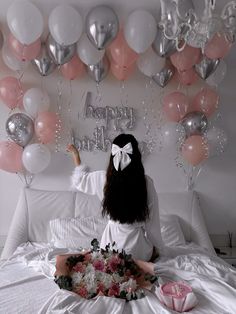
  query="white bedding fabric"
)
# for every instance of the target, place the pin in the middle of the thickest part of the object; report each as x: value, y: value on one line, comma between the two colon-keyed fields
x: 26, y: 285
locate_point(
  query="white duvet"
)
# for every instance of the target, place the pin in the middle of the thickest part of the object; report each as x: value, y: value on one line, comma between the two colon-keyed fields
x: 27, y: 286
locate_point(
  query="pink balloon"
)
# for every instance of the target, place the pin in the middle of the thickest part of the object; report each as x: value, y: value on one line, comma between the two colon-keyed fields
x: 121, y: 53
x: 120, y: 72
x: 11, y: 91
x: 176, y: 106
x: 217, y: 47
x: 11, y: 157
x: 185, y: 59
x: 73, y: 69
x: 195, y: 150
x: 206, y: 101
x: 24, y: 52
x: 187, y: 77
x: 46, y: 125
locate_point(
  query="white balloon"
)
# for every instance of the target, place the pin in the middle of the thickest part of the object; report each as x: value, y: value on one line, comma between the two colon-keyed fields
x: 25, y: 21
x: 35, y: 100
x: 87, y: 52
x: 150, y: 63
x: 140, y: 30
x: 217, y: 141
x: 36, y: 158
x: 217, y: 77
x: 65, y: 25
x: 173, y: 135
x: 11, y: 61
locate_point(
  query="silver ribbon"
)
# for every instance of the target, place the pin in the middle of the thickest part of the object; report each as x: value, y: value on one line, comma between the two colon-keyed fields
x: 121, y: 156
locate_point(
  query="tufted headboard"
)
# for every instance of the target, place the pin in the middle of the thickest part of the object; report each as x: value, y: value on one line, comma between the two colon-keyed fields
x: 36, y: 208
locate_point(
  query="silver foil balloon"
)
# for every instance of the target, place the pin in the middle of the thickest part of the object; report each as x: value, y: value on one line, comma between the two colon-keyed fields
x: 102, y: 26
x: 20, y: 128
x: 44, y: 63
x: 206, y: 67
x: 194, y: 123
x: 163, y: 46
x: 60, y: 54
x: 100, y: 70
x: 164, y: 76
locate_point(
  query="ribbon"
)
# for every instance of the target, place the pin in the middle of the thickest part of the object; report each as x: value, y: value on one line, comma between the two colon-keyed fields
x: 121, y: 156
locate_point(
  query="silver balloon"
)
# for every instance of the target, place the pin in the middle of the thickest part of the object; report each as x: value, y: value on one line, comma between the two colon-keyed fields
x: 164, y: 76
x: 60, y: 54
x: 102, y: 26
x: 43, y: 63
x: 163, y: 46
x: 20, y: 128
x: 100, y: 70
x: 206, y: 67
x: 194, y: 123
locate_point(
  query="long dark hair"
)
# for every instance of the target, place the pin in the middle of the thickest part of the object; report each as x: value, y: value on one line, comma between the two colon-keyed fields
x: 125, y: 191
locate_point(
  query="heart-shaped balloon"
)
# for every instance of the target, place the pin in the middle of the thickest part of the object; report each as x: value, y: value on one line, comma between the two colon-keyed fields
x: 164, y: 76
x: 59, y: 53
x: 206, y: 67
x: 163, y: 46
x: 100, y: 70
x: 20, y: 128
x: 44, y: 63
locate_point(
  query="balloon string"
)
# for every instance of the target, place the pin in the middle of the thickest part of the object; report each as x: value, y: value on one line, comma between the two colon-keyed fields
x: 70, y: 131
x: 59, y: 107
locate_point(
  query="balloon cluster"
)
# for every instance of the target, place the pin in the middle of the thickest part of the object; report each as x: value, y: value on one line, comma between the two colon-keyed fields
x: 17, y: 153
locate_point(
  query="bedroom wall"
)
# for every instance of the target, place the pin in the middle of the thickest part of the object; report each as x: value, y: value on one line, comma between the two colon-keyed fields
x: 217, y: 180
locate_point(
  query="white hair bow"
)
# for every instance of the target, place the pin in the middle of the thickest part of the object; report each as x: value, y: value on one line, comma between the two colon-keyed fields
x: 121, y: 156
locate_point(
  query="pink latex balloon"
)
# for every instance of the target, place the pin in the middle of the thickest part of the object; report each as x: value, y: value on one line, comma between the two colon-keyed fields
x: 187, y: 77
x: 217, y: 47
x: 206, y: 101
x: 45, y: 126
x: 185, y: 59
x: 121, y: 53
x: 120, y: 72
x: 176, y: 106
x: 24, y: 52
x: 11, y: 91
x: 11, y: 157
x: 73, y: 69
x: 195, y: 150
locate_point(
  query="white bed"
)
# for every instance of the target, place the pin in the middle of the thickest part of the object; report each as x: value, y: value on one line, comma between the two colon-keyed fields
x: 26, y: 275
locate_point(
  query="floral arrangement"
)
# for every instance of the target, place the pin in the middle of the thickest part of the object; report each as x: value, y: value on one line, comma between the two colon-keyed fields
x: 104, y: 272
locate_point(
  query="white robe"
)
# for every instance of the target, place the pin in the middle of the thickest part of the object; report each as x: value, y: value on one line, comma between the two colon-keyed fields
x: 137, y: 239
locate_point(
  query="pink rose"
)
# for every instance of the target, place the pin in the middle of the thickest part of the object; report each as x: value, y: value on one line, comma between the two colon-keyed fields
x: 114, y: 290
x: 82, y: 291
x: 79, y: 267
x: 101, y: 288
x: 99, y: 265
x: 113, y: 263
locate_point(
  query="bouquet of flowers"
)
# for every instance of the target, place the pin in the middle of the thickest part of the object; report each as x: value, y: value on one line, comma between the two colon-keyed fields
x: 104, y: 272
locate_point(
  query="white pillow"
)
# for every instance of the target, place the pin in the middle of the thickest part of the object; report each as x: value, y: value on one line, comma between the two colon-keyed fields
x: 171, y: 231
x: 76, y: 232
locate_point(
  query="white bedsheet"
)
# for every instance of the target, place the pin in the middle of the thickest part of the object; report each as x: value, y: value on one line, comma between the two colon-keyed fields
x: 27, y: 286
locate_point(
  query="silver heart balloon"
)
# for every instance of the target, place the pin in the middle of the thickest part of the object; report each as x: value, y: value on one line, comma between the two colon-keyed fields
x: 60, y: 54
x: 100, y: 70
x: 20, y: 128
x: 163, y: 46
x: 102, y: 26
x: 194, y: 123
x: 43, y: 63
x: 163, y: 77
x: 206, y: 67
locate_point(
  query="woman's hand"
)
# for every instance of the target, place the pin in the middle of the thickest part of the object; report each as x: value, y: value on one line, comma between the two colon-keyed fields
x: 72, y: 149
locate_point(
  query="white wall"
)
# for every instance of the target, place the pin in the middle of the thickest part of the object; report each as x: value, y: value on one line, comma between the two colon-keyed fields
x: 217, y: 180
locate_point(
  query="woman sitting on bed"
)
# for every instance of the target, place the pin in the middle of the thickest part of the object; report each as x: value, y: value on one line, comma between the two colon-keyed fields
x: 128, y: 198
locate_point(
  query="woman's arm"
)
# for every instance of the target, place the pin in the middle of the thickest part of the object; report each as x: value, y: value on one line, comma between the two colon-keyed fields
x: 75, y: 154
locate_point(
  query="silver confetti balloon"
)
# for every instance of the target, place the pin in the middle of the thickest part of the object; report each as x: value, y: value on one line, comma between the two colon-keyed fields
x: 20, y: 128
x: 206, y: 67
x: 163, y: 77
x: 163, y: 46
x: 44, y: 63
x: 60, y: 54
x: 100, y: 70
x: 102, y: 26
x: 194, y: 123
